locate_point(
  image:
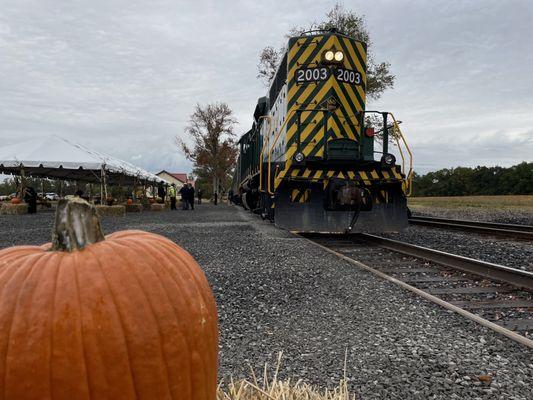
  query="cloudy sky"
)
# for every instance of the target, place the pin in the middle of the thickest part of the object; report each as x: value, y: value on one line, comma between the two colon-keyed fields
x: 124, y: 75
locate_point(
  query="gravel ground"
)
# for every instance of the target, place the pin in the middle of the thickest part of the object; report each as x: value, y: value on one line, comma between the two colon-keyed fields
x: 513, y: 254
x: 503, y: 216
x: 277, y: 293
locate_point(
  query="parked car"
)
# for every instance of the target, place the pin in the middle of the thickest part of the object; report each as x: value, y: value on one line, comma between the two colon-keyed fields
x: 51, y: 196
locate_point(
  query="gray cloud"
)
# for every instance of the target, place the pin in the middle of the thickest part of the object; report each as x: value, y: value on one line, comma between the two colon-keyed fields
x: 123, y: 76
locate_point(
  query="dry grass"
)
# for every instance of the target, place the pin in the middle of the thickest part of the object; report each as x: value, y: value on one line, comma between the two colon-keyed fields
x: 111, y: 211
x: 13, y: 209
x: 133, y: 208
x: 271, y: 388
x: 157, y: 207
x: 487, y: 202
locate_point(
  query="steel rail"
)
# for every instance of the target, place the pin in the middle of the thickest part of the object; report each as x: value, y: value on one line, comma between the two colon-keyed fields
x: 482, y: 224
x: 467, y: 314
x: 506, y: 230
x: 513, y: 276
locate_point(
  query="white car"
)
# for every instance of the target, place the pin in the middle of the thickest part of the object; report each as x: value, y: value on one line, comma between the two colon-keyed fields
x: 51, y: 196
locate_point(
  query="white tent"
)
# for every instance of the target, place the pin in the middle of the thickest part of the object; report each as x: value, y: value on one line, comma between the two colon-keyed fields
x: 57, y: 158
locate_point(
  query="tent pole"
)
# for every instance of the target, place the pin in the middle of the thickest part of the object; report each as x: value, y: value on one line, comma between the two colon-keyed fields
x: 22, y: 182
x: 102, y: 186
x: 104, y: 181
x: 121, y: 189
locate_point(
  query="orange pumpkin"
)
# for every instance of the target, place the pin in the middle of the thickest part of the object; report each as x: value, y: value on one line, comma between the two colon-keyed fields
x: 16, y: 200
x: 128, y: 316
x: 130, y: 201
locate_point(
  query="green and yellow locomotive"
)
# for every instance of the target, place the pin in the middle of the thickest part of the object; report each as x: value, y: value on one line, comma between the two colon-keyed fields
x: 309, y: 163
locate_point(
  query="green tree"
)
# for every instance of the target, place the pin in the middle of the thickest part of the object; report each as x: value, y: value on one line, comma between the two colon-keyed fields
x: 461, y: 181
x: 213, y: 151
x: 379, y: 77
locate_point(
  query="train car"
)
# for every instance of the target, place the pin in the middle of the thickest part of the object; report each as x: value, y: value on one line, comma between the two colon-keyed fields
x: 313, y: 160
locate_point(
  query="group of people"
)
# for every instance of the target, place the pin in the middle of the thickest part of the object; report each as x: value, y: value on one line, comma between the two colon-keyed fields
x: 187, y: 193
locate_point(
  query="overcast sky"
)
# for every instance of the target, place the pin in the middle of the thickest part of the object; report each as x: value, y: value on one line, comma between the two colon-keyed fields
x: 123, y: 76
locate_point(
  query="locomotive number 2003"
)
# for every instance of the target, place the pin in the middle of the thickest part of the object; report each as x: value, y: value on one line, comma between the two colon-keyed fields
x: 305, y: 75
x: 312, y: 74
x: 348, y: 76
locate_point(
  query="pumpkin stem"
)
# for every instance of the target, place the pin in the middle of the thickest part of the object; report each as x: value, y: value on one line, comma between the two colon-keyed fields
x: 76, y: 225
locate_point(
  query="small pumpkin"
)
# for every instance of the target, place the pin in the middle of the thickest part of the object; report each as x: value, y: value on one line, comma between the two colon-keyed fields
x: 151, y: 200
x: 127, y: 316
x: 16, y: 200
x: 130, y: 202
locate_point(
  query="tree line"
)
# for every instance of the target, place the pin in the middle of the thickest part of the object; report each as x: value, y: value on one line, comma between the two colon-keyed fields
x: 478, y: 181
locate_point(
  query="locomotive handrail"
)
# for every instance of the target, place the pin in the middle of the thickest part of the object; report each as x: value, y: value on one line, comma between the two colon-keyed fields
x: 397, y: 133
x: 287, y: 118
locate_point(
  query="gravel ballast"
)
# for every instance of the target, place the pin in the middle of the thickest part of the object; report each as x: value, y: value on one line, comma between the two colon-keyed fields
x: 499, y: 215
x: 515, y: 254
x: 276, y: 292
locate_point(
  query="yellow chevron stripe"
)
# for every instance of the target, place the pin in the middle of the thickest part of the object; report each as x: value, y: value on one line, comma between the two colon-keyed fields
x: 295, y: 47
x: 341, y: 175
x: 351, y: 175
x: 374, y: 174
x: 306, y: 173
x: 304, y: 58
x: 385, y: 174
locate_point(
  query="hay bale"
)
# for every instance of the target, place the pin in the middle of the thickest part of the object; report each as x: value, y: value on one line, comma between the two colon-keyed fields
x: 134, y: 208
x: 13, y: 209
x: 110, y: 211
x: 157, y: 207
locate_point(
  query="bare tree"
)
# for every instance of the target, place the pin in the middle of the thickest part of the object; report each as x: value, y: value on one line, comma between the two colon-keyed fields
x: 213, y: 151
x: 268, y: 63
x: 379, y: 77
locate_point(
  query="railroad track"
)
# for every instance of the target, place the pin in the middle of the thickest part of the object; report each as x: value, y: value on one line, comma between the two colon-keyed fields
x: 496, y: 296
x: 514, y: 231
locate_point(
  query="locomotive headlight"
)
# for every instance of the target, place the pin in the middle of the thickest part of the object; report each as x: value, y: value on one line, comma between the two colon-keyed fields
x: 299, y: 157
x: 339, y: 56
x: 329, y: 55
x: 388, y: 159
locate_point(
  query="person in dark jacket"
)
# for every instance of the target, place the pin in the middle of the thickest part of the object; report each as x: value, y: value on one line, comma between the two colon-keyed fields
x: 184, y: 192
x: 199, y: 194
x: 161, y: 191
x: 190, y: 195
x: 30, y: 197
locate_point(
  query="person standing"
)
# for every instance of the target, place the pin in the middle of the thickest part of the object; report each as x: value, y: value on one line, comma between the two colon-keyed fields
x: 161, y: 191
x: 184, y: 192
x: 30, y: 197
x: 216, y: 197
x: 172, y: 195
x: 199, y: 194
x: 190, y: 193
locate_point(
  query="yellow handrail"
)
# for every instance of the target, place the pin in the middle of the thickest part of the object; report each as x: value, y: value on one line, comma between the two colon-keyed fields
x: 397, y: 133
x: 287, y: 118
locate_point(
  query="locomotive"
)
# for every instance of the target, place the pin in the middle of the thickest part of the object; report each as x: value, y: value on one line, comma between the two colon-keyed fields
x: 315, y: 160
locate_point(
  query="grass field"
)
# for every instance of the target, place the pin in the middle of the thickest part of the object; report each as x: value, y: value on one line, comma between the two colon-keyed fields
x: 486, y: 202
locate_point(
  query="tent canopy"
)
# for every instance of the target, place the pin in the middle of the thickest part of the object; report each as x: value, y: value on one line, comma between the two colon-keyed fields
x: 57, y: 158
